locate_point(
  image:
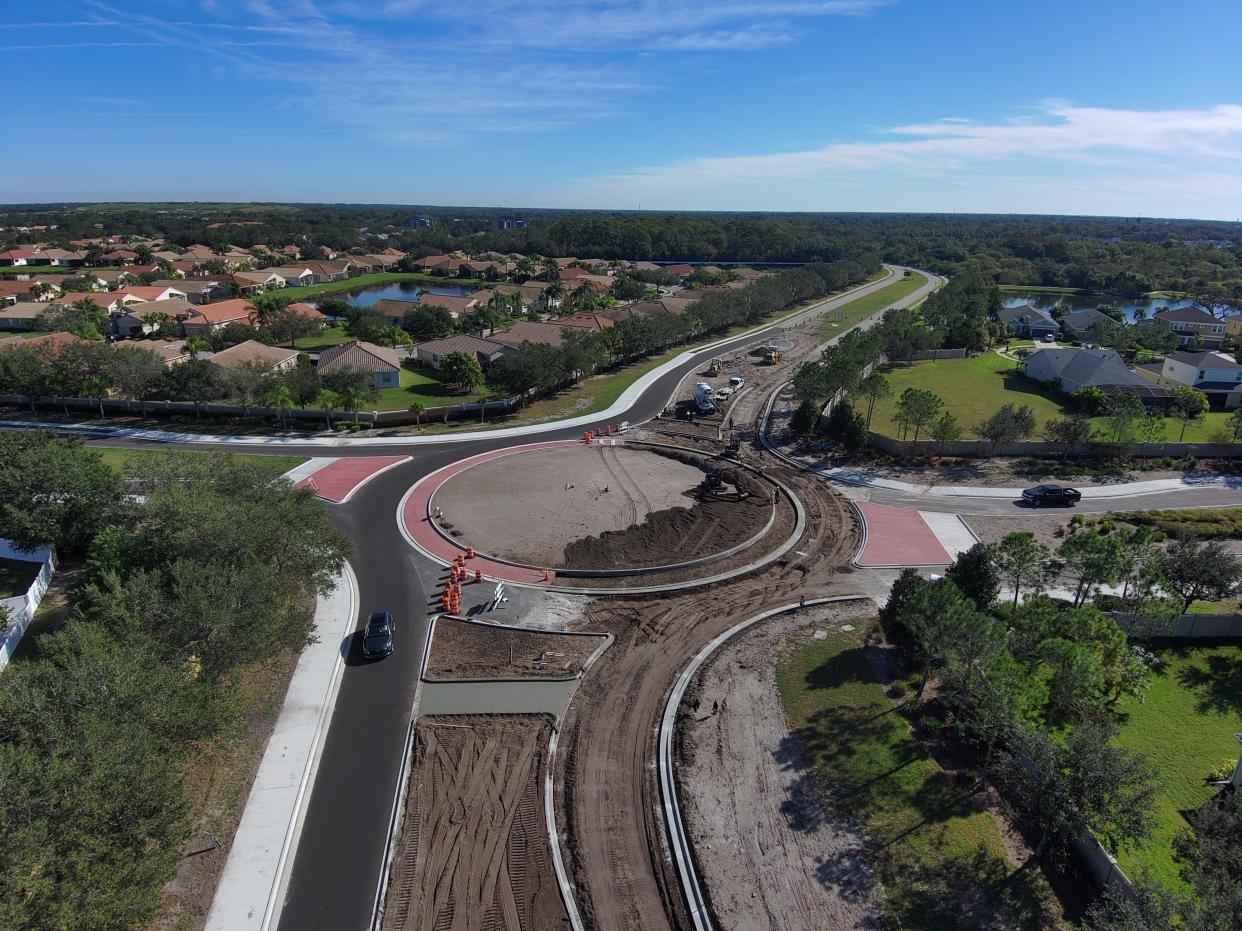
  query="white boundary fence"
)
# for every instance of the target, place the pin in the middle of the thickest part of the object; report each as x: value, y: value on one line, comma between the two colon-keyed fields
x: 22, y: 608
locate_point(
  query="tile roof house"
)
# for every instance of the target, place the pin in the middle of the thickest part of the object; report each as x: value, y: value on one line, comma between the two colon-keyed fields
x: 22, y: 315
x: 681, y: 270
x: 131, y: 320
x: 592, y: 322
x: 1028, y: 321
x: 252, y: 350
x: 393, y: 308
x: 1217, y: 375
x: 305, y: 310
x: 47, y: 341
x: 528, y: 331
x: 1193, y: 325
x: 486, y: 351
x: 453, y: 304
x: 170, y: 352
x: 207, y: 318
x: 380, y: 361
x: 196, y: 290
x: 250, y: 282
x: 295, y: 276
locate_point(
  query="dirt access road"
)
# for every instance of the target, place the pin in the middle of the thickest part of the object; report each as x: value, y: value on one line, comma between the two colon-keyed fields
x: 768, y: 855
x: 606, y: 772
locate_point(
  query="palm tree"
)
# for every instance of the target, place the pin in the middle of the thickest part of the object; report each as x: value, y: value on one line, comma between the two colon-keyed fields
x: 196, y: 344
x: 353, y: 395
x: 281, y: 398
x: 418, y: 408
x: 329, y: 400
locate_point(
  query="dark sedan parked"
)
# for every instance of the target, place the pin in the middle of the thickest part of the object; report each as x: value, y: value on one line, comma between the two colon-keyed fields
x: 1051, y: 494
x: 377, y: 639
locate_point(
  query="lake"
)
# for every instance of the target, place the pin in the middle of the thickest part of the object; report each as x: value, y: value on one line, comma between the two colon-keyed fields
x: 1129, y: 306
x: 397, y: 291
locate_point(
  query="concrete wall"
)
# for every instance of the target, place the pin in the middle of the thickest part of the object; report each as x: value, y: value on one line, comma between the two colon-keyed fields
x: 21, y: 609
x: 983, y: 448
x: 938, y: 354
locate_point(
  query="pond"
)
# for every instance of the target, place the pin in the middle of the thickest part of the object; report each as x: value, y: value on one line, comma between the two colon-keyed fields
x: 398, y: 291
x: 1130, y: 306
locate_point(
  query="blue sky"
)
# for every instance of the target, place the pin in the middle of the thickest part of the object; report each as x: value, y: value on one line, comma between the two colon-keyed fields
x: 1033, y: 106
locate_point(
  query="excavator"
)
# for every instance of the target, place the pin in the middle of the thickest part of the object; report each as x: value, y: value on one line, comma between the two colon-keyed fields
x: 771, y: 355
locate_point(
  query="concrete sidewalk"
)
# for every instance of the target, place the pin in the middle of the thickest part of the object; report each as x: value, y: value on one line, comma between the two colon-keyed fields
x: 252, y: 890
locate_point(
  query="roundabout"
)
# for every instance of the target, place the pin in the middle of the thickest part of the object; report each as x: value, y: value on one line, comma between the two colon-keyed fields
x: 606, y: 516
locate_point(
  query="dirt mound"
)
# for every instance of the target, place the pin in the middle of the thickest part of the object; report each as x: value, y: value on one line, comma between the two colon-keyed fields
x: 462, y: 650
x: 673, y: 535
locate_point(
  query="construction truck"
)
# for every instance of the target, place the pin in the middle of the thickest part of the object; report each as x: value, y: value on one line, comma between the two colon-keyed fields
x: 771, y: 355
x: 713, y: 370
x: 703, y: 398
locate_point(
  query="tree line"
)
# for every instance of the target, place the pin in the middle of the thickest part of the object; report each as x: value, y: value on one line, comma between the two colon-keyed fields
x: 198, y: 568
x: 1031, y: 687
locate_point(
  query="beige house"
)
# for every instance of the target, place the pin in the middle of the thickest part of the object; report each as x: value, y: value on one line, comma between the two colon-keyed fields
x: 252, y: 350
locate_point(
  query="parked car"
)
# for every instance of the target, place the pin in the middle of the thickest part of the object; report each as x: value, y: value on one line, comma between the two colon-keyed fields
x: 377, y: 639
x: 1048, y: 338
x: 1051, y: 494
x: 736, y: 383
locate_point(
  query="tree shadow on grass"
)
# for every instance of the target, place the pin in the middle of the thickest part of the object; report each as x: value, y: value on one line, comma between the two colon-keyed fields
x: 1217, y: 683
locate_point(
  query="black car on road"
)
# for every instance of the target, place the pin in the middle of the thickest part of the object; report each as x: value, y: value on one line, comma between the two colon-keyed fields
x: 1051, y: 494
x: 377, y: 638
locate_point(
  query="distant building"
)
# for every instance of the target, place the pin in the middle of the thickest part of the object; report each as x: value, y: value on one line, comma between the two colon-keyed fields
x: 418, y: 223
x: 514, y: 223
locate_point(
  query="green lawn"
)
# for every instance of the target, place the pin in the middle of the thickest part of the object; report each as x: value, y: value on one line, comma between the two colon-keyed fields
x: 1039, y: 289
x: 331, y: 335
x: 5, y: 334
x: 976, y: 387
x: 10, y: 271
x: 939, y: 855
x: 422, y: 385
x: 1185, y: 725
x: 366, y: 281
x: 126, y: 461
x: 833, y: 325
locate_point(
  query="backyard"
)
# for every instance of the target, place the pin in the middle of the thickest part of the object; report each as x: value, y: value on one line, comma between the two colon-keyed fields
x: 940, y: 854
x: 976, y: 387
x: 1185, y: 725
x: 424, y: 386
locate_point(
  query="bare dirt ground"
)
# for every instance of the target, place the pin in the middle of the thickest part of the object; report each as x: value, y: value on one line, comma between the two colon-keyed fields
x: 608, y: 792
x: 768, y: 854
x: 474, y: 854
x: 462, y: 650
x: 560, y: 494
x: 992, y: 529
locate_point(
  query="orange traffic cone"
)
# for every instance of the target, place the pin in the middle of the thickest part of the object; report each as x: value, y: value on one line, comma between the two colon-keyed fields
x: 470, y: 551
x: 478, y: 575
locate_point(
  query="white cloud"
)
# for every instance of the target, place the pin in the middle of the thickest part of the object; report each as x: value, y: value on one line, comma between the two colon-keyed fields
x: 950, y: 147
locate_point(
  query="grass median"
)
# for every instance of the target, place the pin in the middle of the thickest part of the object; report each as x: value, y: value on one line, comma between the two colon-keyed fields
x: 837, y: 322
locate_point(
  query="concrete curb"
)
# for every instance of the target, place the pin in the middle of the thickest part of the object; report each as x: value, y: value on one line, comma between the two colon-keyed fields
x: 250, y: 894
x: 679, y: 843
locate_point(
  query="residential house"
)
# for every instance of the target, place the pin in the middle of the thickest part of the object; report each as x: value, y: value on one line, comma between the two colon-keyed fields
x: 393, y: 309
x: 134, y: 320
x: 1217, y: 375
x: 156, y: 292
x: 295, y: 276
x: 252, y: 350
x: 22, y: 315
x: 1028, y: 322
x: 18, y: 291
x: 46, y: 341
x: 486, y: 351
x: 254, y: 282
x: 19, y: 257
x: 592, y: 322
x: 1077, y: 324
x: 681, y: 270
x: 327, y: 271
x: 457, y: 306
x: 380, y: 361
x: 195, y: 290
x: 170, y: 352
x: 527, y: 331
x: 63, y: 257
x: 645, y: 267
x: 208, y: 318
x: 306, y: 310
x: 1195, y: 327
x: 1072, y: 369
